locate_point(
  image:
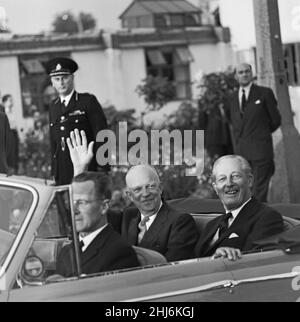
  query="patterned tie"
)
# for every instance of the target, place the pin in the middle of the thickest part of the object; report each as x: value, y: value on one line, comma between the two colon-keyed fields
x: 143, y: 228
x: 223, y: 226
x: 243, y: 103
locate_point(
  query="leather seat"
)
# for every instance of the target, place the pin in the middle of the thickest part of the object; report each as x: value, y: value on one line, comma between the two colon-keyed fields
x: 148, y: 256
x: 202, y: 220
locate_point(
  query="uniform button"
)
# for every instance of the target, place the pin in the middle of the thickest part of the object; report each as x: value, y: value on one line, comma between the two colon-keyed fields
x: 62, y: 128
x: 62, y: 118
x: 51, y: 124
x: 76, y: 121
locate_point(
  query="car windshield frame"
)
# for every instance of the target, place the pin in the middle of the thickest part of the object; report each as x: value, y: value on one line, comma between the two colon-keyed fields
x: 25, y: 223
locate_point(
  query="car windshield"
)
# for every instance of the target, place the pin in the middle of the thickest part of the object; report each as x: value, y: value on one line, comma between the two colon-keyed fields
x: 14, y: 206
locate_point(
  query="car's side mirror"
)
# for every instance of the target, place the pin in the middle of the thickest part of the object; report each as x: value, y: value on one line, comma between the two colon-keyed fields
x: 33, y: 267
x: 32, y: 271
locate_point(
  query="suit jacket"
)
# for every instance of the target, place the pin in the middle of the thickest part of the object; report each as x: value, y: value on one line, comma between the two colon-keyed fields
x: 173, y: 234
x: 84, y: 113
x: 216, y: 127
x: 253, y: 131
x: 4, y: 142
x: 254, y: 222
x: 107, y: 252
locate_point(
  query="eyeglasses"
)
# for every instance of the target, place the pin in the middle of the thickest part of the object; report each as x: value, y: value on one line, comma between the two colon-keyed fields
x: 83, y: 203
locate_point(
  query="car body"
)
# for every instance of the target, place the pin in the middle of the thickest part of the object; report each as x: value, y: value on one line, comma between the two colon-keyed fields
x: 37, y: 220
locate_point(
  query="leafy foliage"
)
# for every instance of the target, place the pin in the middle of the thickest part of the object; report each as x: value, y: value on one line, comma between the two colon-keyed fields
x: 214, y: 89
x: 157, y: 91
x: 35, y: 154
x: 66, y: 22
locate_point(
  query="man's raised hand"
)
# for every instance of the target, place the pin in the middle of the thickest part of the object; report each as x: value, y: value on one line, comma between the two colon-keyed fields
x: 80, y: 152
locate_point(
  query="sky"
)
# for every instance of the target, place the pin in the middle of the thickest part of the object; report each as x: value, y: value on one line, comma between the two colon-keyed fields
x: 35, y: 16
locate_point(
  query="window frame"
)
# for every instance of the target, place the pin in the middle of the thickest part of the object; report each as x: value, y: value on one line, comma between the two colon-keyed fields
x: 171, y: 64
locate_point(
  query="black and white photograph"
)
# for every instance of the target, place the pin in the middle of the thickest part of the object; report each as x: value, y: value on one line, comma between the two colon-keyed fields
x: 149, y: 153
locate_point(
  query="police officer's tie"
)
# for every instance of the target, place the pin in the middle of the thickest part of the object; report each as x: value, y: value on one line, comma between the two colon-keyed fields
x: 223, y: 226
x: 243, y: 102
x: 62, y: 106
x: 143, y: 228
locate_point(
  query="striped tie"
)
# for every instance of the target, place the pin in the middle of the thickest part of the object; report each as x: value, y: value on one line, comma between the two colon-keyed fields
x: 143, y: 228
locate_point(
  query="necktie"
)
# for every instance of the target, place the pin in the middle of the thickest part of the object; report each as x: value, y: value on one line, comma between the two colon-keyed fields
x: 143, y: 228
x: 81, y: 245
x: 62, y: 107
x: 243, y: 103
x: 223, y: 226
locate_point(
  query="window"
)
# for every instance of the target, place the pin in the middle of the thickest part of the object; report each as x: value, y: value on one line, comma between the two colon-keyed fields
x: 15, y: 204
x: 292, y: 63
x: 177, y: 20
x: 37, y: 92
x: 174, y: 64
x: 53, y: 234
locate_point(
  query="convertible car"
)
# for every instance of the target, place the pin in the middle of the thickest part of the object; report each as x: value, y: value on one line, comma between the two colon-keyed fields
x: 37, y: 220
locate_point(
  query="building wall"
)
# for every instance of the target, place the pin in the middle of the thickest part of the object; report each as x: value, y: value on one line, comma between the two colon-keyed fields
x: 133, y: 71
x: 113, y: 75
x: 209, y: 58
x: 92, y: 75
x: 10, y: 84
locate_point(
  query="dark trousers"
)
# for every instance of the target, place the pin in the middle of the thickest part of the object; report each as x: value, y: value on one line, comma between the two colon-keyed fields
x: 263, y: 171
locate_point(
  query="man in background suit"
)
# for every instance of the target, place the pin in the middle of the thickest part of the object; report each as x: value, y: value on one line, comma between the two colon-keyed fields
x: 69, y: 111
x: 102, y: 249
x: 246, y: 220
x: 254, y: 117
x: 4, y: 142
x: 152, y: 223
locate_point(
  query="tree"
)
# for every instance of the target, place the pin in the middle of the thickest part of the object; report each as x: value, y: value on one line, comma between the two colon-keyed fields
x: 67, y: 22
x: 215, y: 88
x: 157, y: 91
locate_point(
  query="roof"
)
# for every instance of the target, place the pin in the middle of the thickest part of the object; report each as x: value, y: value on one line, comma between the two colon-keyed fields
x: 149, y: 7
x: 28, y: 43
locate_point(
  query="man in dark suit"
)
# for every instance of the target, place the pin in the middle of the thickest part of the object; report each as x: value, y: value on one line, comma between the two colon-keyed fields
x: 4, y: 142
x: 102, y: 249
x: 69, y: 111
x: 246, y: 219
x: 217, y: 133
x: 152, y: 223
x: 254, y: 117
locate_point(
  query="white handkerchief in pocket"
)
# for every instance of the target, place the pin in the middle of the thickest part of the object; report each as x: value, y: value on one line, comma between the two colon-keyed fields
x: 233, y: 235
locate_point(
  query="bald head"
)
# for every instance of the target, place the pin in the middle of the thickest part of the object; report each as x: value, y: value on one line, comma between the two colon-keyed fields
x: 243, y: 73
x: 143, y: 189
x: 139, y: 174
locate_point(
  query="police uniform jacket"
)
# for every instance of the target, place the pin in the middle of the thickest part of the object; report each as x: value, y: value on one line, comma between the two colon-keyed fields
x: 83, y: 113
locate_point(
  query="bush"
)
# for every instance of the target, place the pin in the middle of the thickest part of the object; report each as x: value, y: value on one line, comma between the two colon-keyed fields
x: 35, y: 154
x: 157, y: 91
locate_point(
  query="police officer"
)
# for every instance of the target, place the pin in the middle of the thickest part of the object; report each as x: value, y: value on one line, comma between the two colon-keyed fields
x: 71, y: 110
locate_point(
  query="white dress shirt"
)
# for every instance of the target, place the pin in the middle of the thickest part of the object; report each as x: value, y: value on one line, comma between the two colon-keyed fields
x: 234, y: 213
x: 67, y: 98
x: 87, y: 240
x: 152, y: 217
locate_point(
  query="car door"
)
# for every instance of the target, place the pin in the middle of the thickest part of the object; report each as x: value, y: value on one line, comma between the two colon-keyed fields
x: 267, y: 276
x: 192, y: 280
